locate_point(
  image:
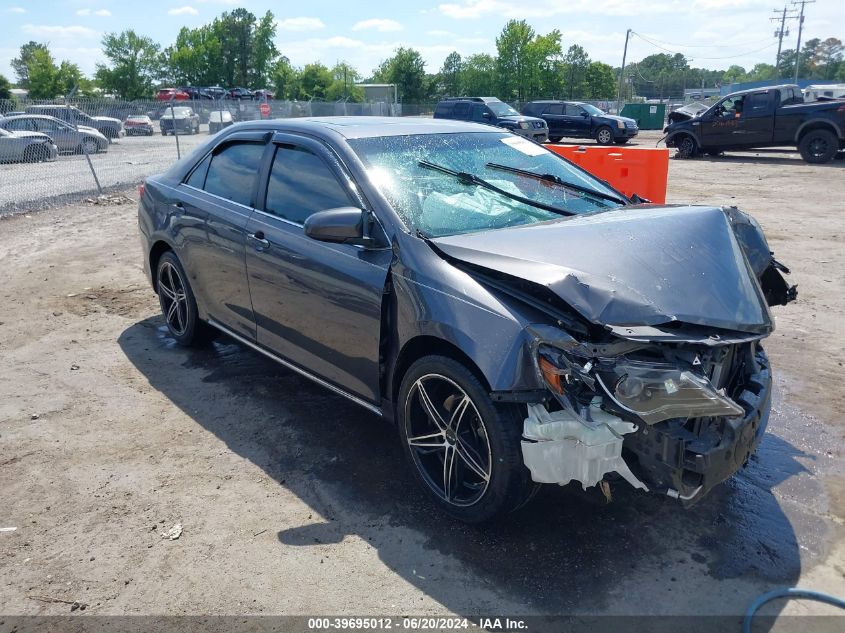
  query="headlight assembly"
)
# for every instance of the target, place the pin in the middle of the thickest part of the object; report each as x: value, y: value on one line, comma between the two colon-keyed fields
x: 652, y: 391
x: 523, y: 125
x: 620, y: 125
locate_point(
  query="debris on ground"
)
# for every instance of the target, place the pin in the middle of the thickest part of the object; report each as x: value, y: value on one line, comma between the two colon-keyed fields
x: 173, y: 533
x: 109, y: 199
x: 74, y: 604
x: 8, y: 529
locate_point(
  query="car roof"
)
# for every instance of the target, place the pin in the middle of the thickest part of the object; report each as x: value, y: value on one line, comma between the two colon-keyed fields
x: 353, y: 127
x: 35, y: 116
x: 763, y: 89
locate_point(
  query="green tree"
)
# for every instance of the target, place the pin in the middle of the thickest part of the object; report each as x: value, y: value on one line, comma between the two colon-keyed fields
x: 513, y: 60
x: 196, y: 58
x: 545, y: 66
x: 314, y: 81
x: 134, y: 65
x: 762, y: 72
x: 600, y: 81
x: 42, y: 75
x: 406, y: 69
x: 5, y: 88
x: 478, y: 75
x: 20, y: 64
x: 826, y: 58
x: 450, y: 74
x: 285, y: 79
x: 344, y: 78
x: 735, y: 74
x: 575, y: 65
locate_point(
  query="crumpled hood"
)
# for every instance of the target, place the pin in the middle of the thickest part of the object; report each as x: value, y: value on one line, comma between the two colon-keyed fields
x: 641, y: 265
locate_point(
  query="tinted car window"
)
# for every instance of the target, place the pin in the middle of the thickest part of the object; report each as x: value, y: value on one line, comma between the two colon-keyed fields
x: 573, y: 110
x: 301, y: 184
x: 20, y: 124
x: 233, y: 171
x: 478, y: 111
x: 556, y: 108
x: 443, y: 110
x: 461, y: 110
x: 756, y: 104
x: 197, y: 177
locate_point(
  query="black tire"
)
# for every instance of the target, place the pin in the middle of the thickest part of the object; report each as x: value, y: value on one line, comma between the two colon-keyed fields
x: 163, y: 133
x: 686, y: 146
x: 555, y: 139
x: 172, y: 284
x: 622, y: 141
x: 818, y: 146
x: 604, y: 135
x: 482, y: 427
x: 714, y: 152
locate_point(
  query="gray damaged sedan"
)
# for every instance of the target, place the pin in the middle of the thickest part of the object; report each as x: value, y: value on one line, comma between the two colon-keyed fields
x: 67, y: 138
x: 26, y: 147
x: 519, y: 321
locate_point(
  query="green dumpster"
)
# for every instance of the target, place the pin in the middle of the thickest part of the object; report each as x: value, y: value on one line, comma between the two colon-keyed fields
x: 649, y: 116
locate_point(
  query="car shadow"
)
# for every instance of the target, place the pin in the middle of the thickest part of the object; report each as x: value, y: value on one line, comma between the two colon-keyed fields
x: 767, y: 157
x: 569, y: 551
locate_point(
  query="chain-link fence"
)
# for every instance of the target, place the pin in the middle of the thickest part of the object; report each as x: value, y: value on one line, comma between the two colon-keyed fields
x: 105, y: 145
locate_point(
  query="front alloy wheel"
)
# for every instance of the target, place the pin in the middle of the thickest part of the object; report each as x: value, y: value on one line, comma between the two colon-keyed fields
x: 464, y: 449
x: 604, y: 136
x: 448, y: 440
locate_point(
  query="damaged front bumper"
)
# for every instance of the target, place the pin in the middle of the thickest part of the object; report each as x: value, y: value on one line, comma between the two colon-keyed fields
x: 673, y: 429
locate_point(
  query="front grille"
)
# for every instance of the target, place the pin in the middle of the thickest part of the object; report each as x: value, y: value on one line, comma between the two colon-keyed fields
x: 539, y: 124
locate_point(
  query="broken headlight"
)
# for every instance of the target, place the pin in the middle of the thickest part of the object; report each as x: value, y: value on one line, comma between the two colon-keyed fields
x: 656, y: 393
x: 652, y: 391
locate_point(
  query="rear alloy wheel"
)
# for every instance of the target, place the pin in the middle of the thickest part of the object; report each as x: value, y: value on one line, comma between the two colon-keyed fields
x: 176, y: 298
x: 604, y: 136
x: 818, y: 146
x: 90, y: 146
x: 465, y: 450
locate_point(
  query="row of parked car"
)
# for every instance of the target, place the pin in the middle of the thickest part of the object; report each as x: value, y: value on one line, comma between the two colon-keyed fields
x: 541, y: 121
x: 214, y: 92
x: 41, y: 132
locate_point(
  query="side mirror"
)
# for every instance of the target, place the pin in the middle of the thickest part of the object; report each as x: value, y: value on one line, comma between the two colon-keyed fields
x: 585, y: 114
x: 343, y: 225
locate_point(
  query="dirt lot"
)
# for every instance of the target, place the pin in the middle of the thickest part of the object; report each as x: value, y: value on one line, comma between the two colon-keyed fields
x: 293, y: 501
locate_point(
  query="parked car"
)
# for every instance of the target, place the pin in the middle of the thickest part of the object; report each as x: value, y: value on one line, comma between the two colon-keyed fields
x: 763, y: 117
x: 574, y: 119
x: 216, y: 92
x: 172, y: 94
x: 66, y: 137
x: 179, y: 119
x: 138, y: 125
x: 197, y: 94
x: 26, y: 147
x: 241, y: 93
x: 520, y: 321
x: 109, y: 127
x: 491, y: 111
x: 218, y: 119
x: 264, y: 94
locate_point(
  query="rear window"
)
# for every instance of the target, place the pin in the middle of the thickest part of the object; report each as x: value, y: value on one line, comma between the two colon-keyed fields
x: 233, y: 172
x: 555, y: 108
x: 442, y: 110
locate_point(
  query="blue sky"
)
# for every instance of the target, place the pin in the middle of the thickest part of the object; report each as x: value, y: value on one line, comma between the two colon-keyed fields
x: 364, y: 32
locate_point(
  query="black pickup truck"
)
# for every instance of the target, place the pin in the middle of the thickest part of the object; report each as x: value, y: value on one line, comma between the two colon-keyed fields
x: 773, y: 116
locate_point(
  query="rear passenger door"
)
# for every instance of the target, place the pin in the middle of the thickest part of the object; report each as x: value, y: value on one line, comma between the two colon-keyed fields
x: 461, y: 111
x: 215, y: 202
x: 316, y: 304
x: 553, y: 115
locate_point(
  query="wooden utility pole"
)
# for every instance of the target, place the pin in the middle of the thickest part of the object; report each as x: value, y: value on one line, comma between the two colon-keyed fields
x: 781, y: 32
x: 800, y: 28
x: 622, y: 73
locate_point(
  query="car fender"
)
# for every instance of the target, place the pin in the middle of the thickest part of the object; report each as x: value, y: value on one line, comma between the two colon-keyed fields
x: 818, y: 122
x: 687, y: 129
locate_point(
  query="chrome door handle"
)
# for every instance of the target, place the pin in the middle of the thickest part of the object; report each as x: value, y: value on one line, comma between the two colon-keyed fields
x: 258, y: 241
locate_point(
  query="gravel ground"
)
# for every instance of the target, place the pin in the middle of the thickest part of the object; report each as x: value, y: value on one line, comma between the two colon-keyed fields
x: 293, y: 501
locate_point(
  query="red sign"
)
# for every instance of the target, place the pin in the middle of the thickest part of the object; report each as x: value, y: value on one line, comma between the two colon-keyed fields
x: 265, y: 109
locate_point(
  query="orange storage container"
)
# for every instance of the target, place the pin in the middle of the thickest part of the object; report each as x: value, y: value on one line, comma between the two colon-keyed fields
x: 632, y: 170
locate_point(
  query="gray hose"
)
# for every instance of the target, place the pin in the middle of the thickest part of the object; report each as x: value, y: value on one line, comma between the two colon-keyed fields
x: 791, y: 592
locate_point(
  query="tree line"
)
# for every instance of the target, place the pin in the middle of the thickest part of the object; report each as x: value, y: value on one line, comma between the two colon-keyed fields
x: 238, y: 48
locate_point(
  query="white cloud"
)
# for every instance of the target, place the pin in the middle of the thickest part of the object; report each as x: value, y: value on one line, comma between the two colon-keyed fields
x: 382, y: 25
x: 59, y: 32
x: 474, y: 9
x: 300, y: 24
x: 100, y: 12
x: 15, y: 10
x: 186, y: 10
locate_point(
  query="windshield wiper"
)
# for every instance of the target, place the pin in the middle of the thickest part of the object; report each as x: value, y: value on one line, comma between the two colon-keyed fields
x: 472, y: 179
x: 558, y: 181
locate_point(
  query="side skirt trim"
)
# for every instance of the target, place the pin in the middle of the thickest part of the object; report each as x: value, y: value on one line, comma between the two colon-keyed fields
x: 323, y: 383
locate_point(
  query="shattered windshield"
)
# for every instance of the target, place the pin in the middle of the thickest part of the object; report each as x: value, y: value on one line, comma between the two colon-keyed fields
x: 437, y: 204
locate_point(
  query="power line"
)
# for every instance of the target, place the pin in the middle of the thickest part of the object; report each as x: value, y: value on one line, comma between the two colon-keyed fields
x: 743, y: 54
x: 720, y: 45
x: 779, y: 33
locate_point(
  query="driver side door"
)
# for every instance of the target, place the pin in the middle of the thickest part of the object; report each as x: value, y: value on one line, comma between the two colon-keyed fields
x: 316, y: 304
